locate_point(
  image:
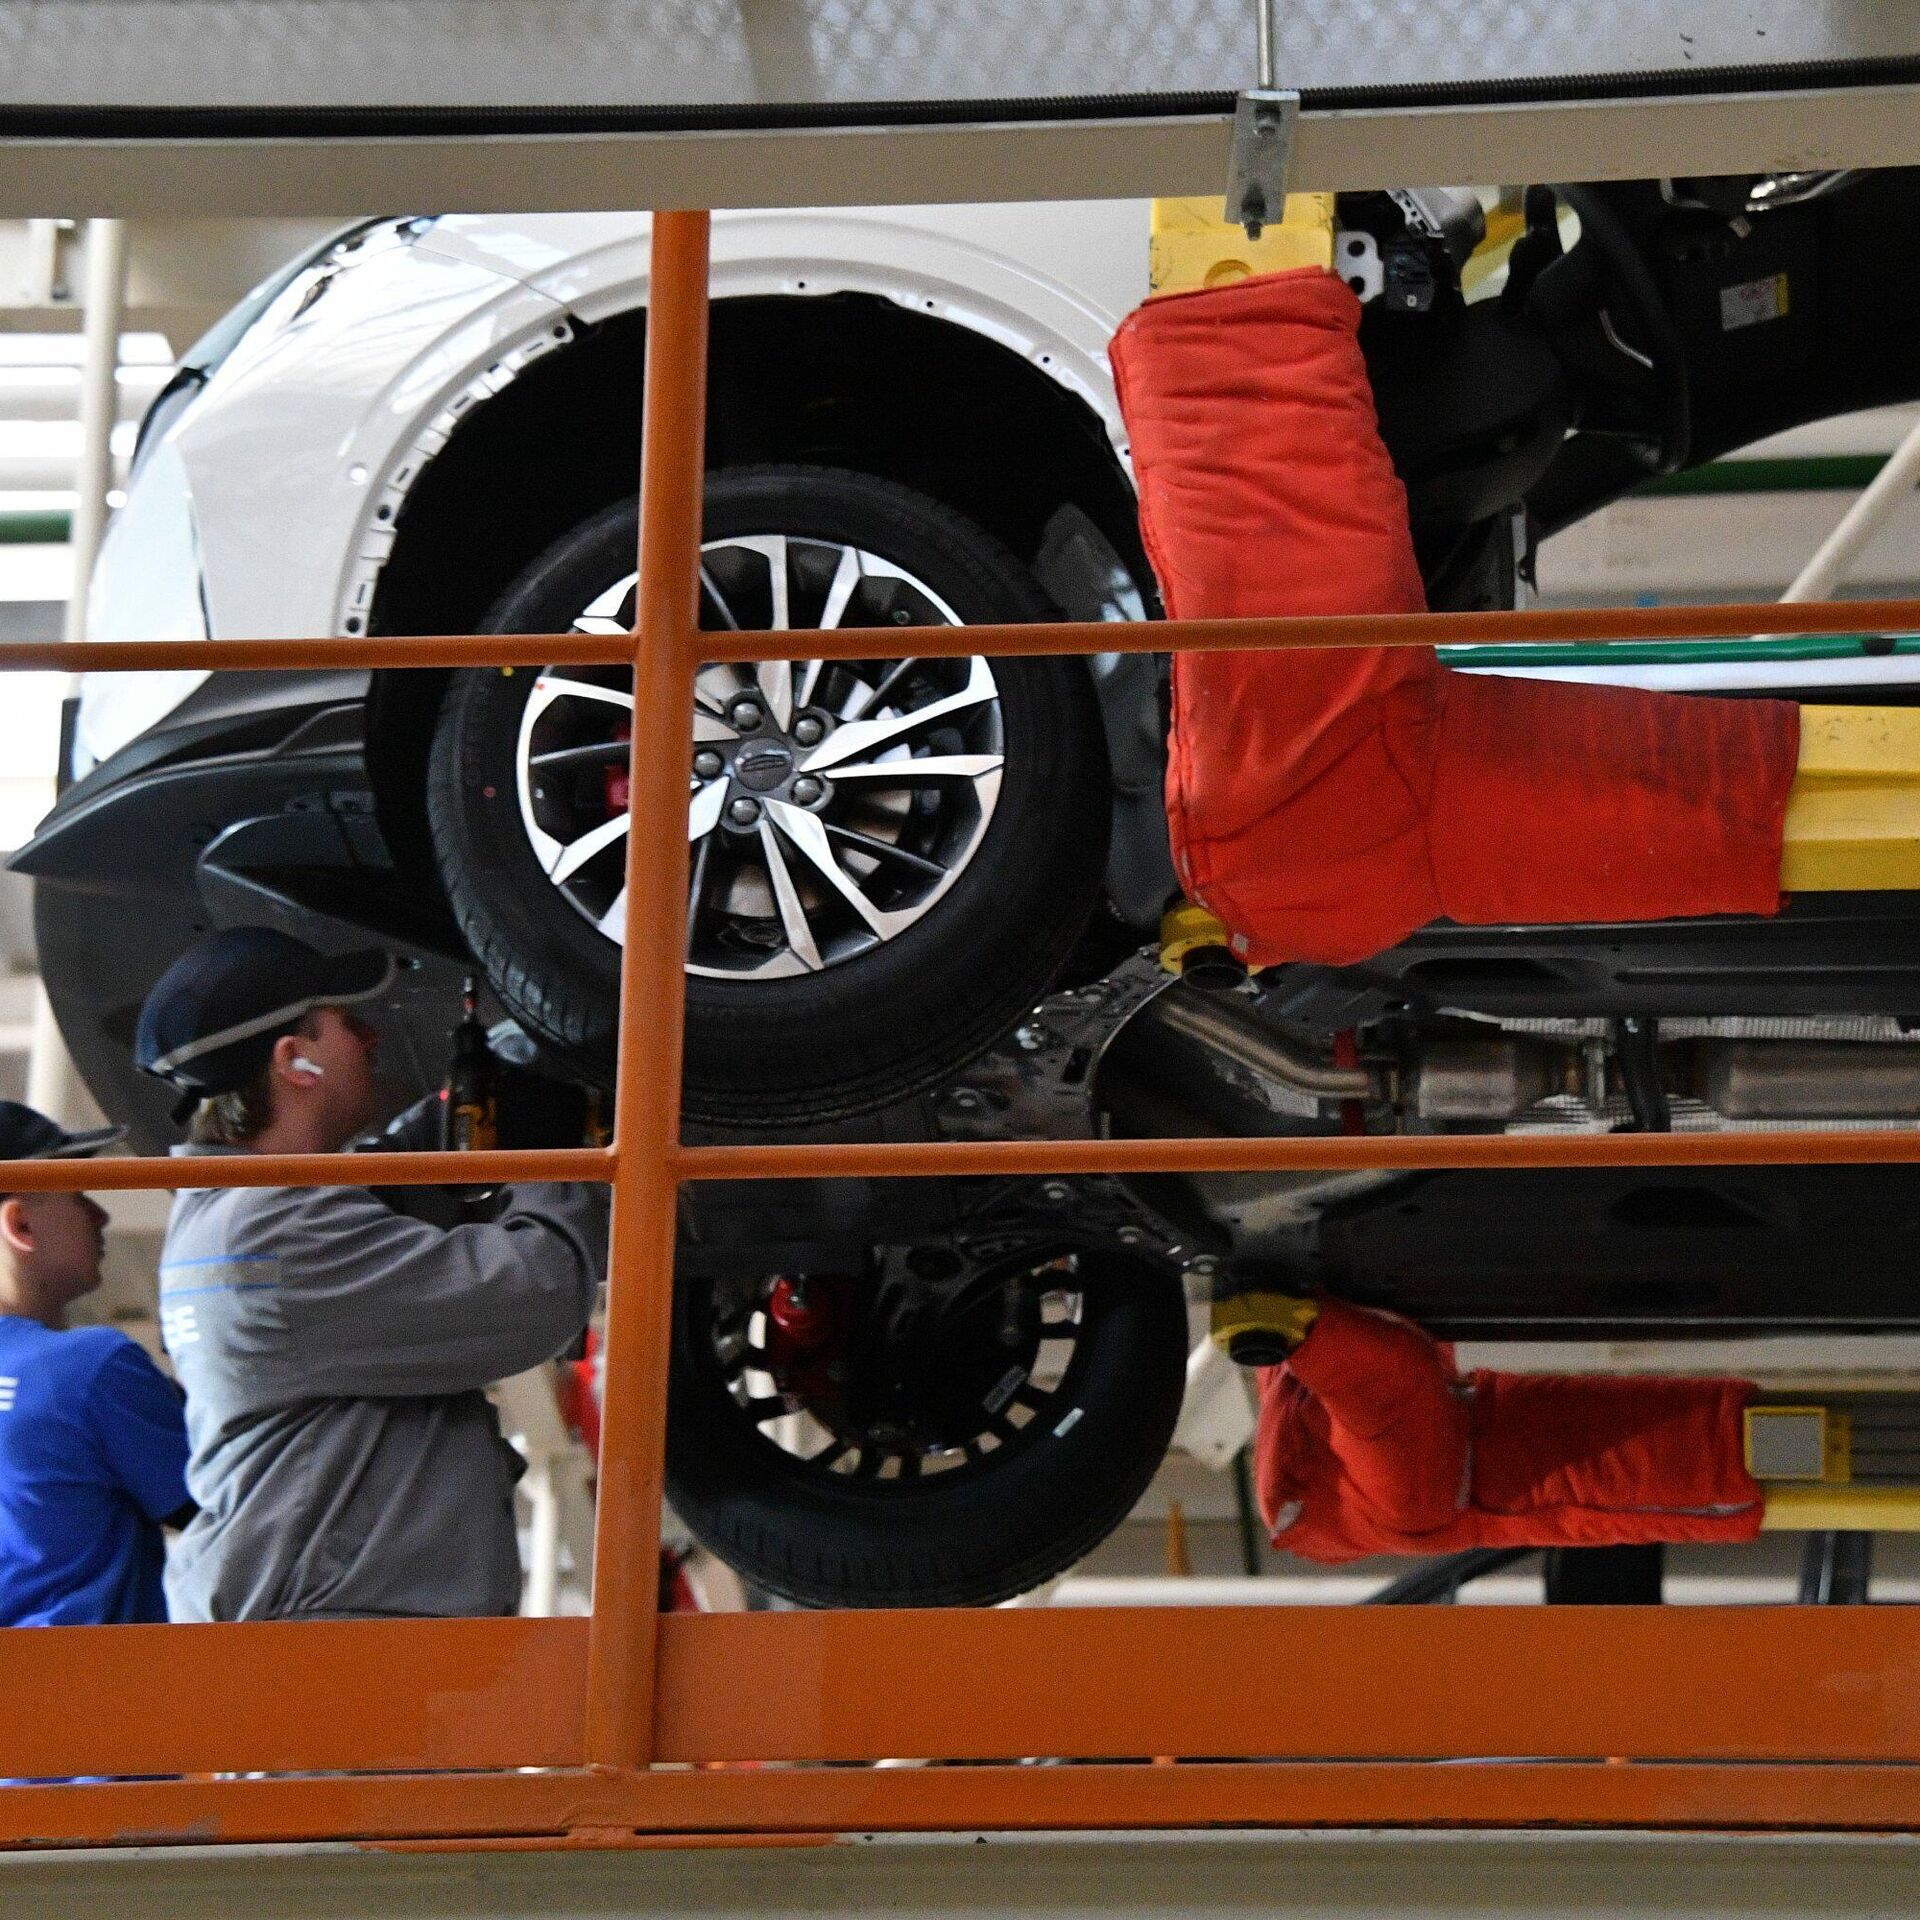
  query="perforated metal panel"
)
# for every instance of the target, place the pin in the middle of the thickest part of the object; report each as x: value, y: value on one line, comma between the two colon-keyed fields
x: 639, y: 54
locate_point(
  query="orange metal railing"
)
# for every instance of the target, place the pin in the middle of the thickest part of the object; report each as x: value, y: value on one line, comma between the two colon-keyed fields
x: 548, y: 1731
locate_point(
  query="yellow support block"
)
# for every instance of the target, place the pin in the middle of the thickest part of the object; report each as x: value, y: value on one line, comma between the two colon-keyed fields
x: 1853, y: 815
x: 1844, y: 1509
x: 1259, y: 1328
x: 1192, y: 246
x: 1186, y: 927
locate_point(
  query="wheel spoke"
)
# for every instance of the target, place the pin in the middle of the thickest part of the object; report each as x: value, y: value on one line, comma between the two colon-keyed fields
x: 601, y: 623
x: 888, y: 850
x: 860, y: 738
x: 576, y: 853
x: 793, y: 916
x: 697, y: 885
x: 613, y: 923
x: 719, y: 599
x: 775, y: 678
x: 809, y: 679
x: 596, y: 750
x: 709, y: 726
x: 846, y: 576
x: 775, y: 548
x: 558, y: 686
x: 806, y: 832
x: 703, y: 810
x: 884, y: 686
x: 914, y: 773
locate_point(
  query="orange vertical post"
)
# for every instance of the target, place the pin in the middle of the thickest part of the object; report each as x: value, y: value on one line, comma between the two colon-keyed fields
x: 622, y: 1636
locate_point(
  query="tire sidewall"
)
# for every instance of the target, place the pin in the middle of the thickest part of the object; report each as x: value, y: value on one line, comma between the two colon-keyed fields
x: 997, y: 1531
x: 1039, y: 861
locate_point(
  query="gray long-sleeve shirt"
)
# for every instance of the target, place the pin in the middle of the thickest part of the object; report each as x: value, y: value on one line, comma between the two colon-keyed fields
x: 345, y: 1458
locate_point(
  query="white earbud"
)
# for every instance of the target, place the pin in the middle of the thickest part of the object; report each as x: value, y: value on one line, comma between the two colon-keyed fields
x: 312, y: 1069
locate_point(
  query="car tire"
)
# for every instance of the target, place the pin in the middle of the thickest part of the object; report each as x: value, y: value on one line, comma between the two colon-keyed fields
x: 877, y: 1026
x: 826, y: 1539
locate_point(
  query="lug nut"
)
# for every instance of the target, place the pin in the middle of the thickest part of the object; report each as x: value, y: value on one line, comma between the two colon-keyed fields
x: 809, y: 730
x: 743, y: 812
x: 809, y: 791
x: 708, y: 764
x: 746, y: 715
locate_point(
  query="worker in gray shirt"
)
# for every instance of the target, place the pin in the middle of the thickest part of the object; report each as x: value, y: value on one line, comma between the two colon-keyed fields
x: 345, y: 1458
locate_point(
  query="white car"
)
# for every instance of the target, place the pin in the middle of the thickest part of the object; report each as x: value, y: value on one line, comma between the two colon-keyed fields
x: 432, y: 426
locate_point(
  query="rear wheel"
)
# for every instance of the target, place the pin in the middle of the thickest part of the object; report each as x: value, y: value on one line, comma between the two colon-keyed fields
x: 876, y: 1439
x: 891, y: 857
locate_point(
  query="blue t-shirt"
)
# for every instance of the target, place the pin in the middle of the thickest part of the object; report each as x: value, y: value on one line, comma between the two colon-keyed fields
x: 93, y: 1456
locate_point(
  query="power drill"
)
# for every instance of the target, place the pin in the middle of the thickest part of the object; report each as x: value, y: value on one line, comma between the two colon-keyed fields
x: 472, y: 1110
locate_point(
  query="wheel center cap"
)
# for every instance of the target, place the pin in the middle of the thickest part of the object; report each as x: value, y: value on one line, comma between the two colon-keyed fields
x: 762, y: 765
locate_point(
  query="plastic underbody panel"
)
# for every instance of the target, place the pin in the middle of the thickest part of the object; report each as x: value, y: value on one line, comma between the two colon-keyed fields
x: 1832, y: 953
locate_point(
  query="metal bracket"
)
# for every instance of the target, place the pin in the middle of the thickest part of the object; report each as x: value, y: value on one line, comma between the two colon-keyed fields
x: 1263, y: 123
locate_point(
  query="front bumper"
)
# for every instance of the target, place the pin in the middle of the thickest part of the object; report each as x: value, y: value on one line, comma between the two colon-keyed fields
x: 249, y: 804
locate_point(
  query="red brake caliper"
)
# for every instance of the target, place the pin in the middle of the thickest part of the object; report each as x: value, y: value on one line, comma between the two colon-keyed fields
x: 806, y: 1327
x: 617, y: 781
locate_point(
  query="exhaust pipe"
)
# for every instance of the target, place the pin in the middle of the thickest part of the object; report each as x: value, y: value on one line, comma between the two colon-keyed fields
x: 1226, y: 1026
x: 1807, y: 1079
x: 1495, y: 1080
x: 1213, y: 1058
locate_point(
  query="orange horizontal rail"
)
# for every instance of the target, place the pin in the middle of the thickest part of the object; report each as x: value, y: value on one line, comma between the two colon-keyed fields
x: 1347, y: 1683
x: 1521, y: 626
x: 954, y: 1158
x: 890, y: 1159
x: 171, y: 1172
x: 599, y: 1810
x: 295, y: 1696
x: 1518, y: 627
x: 396, y: 650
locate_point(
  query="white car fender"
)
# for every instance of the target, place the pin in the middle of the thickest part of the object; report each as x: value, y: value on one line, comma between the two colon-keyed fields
x: 295, y: 459
x: 299, y: 432
x: 1049, y: 283
x: 593, y: 267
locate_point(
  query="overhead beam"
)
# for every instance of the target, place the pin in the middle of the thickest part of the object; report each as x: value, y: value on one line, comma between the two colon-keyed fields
x: 1072, y: 159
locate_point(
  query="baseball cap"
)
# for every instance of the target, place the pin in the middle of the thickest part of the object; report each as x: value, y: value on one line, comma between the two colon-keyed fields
x: 27, y: 1134
x: 211, y: 1020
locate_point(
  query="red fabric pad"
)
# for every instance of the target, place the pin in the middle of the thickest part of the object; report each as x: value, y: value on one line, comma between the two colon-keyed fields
x: 1325, y: 804
x: 1369, y: 1442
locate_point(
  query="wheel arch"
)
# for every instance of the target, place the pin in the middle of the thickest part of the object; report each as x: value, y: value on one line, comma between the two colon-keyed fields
x: 851, y: 379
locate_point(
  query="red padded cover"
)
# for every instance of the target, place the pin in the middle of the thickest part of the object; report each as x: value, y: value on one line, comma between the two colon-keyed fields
x: 1369, y: 1442
x: 1325, y: 804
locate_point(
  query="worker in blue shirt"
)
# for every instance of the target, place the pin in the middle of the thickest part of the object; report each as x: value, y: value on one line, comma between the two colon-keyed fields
x: 93, y: 1440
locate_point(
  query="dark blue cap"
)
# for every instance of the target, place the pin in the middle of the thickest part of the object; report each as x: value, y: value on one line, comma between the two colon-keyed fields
x: 211, y: 1020
x: 27, y: 1134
